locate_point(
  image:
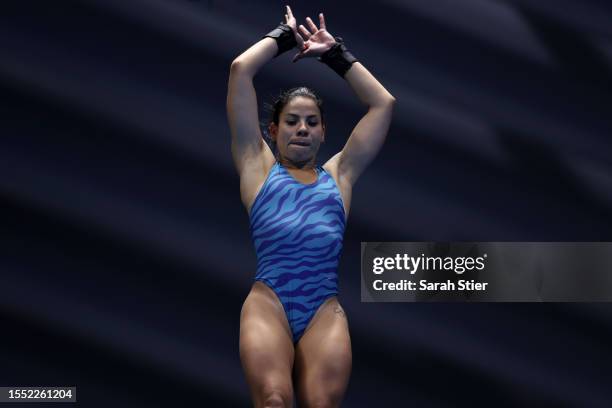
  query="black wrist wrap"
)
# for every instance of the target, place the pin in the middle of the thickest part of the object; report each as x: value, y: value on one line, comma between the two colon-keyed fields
x: 285, y: 39
x: 338, y: 58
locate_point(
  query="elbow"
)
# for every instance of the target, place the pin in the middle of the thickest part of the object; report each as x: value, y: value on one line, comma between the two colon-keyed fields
x: 390, y: 100
x: 386, y: 102
x: 239, y: 67
x: 389, y: 103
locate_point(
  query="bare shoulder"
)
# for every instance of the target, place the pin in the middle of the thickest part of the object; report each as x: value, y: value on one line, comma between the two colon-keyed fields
x: 253, y: 174
x: 332, y: 166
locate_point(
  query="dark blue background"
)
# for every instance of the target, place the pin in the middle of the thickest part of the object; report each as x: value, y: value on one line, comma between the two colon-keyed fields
x: 126, y: 255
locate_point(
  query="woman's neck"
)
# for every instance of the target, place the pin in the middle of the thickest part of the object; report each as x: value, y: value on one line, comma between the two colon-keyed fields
x: 305, y: 174
x: 305, y: 166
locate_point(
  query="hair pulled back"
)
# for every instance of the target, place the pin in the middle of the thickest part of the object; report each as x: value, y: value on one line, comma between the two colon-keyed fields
x: 286, y: 96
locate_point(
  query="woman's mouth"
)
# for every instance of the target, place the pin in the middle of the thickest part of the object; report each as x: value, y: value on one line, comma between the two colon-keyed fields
x: 300, y: 143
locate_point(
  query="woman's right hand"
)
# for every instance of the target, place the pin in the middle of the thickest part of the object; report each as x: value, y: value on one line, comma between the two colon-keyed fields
x: 292, y: 22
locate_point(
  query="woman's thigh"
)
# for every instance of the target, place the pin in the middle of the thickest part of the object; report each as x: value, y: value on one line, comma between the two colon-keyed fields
x: 323, y: 358
x: 266, y: 347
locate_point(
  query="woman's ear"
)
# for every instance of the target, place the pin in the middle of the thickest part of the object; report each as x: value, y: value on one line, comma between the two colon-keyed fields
x: 273, y: 130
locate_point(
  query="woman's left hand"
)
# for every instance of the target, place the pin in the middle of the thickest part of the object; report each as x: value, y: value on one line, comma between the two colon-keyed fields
x: 318, y: 40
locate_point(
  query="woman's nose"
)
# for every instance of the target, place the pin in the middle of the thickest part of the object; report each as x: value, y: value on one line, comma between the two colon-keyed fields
x: 302, y: 129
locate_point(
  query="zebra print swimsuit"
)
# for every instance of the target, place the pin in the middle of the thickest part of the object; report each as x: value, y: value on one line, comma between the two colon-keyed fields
x: 297, y: 230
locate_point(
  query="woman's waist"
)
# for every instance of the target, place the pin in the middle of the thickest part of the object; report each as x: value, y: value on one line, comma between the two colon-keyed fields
x: 327, y: 274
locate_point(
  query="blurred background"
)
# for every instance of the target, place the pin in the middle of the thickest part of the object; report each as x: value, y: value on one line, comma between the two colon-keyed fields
x: 125, y: 253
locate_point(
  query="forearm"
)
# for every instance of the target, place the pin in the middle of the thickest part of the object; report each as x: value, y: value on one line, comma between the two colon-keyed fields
x: 367, y: 88
x: 250, y: 62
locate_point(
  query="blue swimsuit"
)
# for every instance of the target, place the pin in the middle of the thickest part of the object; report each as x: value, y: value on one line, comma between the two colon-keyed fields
x: 298, y: 230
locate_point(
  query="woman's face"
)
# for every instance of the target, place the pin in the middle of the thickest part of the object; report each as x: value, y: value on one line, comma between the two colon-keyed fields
x: 299, y: 132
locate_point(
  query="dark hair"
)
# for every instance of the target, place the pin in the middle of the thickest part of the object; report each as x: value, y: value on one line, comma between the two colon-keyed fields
x: 283, y: 99
x: 276, y: 107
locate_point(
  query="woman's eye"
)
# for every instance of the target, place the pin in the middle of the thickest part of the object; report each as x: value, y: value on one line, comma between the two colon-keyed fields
x: 291, y: 122
x: 313, y: 124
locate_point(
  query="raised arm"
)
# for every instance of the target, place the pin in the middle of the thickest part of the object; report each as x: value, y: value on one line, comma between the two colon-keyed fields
x: 369, y: 135
x: 247, y: 142
x: 370, y: 132
x: 248, y: 146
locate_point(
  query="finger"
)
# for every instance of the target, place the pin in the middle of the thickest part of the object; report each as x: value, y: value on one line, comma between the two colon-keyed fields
x: 286, y: 19
x: 299, y: 55
x: 303, y: 51
x: 305, y: 32
x: 300, y: 39
x: 311, y: 25
x: 322, y: 21
x: 289, y: 12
